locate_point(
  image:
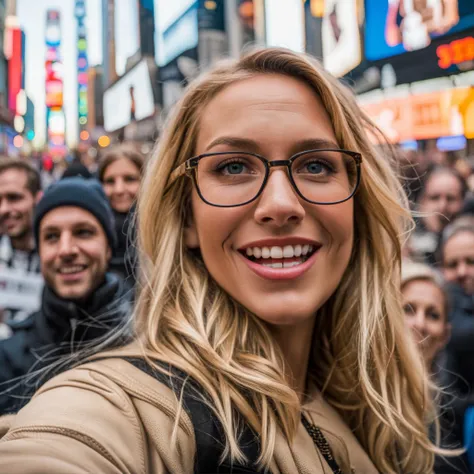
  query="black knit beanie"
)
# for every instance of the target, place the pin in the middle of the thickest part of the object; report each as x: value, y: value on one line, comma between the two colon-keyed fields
x: 80, y: 192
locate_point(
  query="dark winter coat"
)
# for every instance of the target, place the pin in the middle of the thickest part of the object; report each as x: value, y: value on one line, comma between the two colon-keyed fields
x: 60, y: 328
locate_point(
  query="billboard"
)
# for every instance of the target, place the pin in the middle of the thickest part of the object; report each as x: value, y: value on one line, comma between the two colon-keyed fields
x: 130, y: 98
x: 395, y: 27
x: 278, y: 16
x: 15, y: 67
x: 333, y: 33
x: 422, y: 116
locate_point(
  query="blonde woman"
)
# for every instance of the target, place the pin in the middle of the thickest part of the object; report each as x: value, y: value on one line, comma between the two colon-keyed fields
x: 426, y: 307
x: 269, y: 330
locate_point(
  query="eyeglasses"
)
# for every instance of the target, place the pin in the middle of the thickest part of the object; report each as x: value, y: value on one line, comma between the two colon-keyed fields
x: 234, y: 178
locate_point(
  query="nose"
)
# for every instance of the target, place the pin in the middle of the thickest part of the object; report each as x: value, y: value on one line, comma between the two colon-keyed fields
x: 67, y: 245
x: 279, y: 205
x: 119, y: 187
x: 4, y: 207
x: 461, y: 270
x: 418, y: 322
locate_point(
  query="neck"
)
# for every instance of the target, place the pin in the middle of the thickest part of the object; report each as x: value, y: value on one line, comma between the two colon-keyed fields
x: 295, y: 343
x: 24, y: 242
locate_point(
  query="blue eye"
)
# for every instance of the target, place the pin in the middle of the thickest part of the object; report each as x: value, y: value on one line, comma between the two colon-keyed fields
x: 234, y: 168
x: 315, y: 167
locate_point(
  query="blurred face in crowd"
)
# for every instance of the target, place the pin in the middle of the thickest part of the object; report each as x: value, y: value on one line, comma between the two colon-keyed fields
x: 442, y: 199
x: 425, y: 314
x: 458, y: 260
x: 17, y: 204
x: 74, y: 252
x: 279, y: 256
x: 121, y: 182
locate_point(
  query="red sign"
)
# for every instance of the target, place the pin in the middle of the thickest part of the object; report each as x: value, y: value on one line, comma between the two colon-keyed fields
x: 14, y: 68
x: 456, y: 52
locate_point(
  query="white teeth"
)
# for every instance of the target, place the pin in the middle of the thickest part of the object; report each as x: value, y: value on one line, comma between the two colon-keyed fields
x: 288, y: 251
x: 276, y: 252
x: 75, y: 269
x: 290, y: 264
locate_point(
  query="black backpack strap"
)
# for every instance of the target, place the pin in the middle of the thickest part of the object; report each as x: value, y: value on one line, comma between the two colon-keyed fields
x: 208, y: 431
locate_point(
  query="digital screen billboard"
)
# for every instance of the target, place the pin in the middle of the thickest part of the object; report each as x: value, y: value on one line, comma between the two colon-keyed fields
x: 395, y: 27
x: 130, y: 98
x: 176, y: 28
x: 333, y: 33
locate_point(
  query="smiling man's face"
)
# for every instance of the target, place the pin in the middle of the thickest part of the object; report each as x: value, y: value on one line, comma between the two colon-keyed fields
x: 74, y: 252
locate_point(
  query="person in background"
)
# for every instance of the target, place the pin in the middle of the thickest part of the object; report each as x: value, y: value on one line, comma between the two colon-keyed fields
x: 81, y: 302
x: 440, y: 201
x: 426, y: 307
x: 457, y: 256
x: 20, y: 280
x: 120, y: 172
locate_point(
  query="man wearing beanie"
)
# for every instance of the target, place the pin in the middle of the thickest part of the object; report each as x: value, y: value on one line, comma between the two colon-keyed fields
x: 82, y: 304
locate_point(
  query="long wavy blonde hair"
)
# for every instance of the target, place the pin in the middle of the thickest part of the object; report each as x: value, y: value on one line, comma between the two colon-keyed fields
x: 362, y: 359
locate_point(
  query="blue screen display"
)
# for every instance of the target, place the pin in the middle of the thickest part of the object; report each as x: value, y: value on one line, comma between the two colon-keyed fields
x: 398, y: 26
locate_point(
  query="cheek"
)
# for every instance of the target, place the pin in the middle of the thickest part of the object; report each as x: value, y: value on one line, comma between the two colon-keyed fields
x: 337, y: 224
x: 132, y: 189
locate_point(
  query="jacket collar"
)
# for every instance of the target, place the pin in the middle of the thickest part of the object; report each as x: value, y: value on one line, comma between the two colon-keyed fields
x: 104, y: 305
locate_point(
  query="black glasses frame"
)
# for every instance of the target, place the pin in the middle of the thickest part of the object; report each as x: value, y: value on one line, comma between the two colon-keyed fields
x: 189, y: 168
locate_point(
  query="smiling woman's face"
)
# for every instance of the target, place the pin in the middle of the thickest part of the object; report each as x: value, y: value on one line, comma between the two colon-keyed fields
x: 275, y: 116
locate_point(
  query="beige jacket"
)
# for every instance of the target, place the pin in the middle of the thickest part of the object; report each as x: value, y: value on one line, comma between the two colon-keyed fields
x: 107, y: 416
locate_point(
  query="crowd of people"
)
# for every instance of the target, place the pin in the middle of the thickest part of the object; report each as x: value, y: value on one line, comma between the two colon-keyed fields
x: 263, y: 328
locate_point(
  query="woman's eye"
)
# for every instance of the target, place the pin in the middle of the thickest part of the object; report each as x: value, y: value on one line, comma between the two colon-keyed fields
x: 232, y: 168
x: 315, y: 167
x: 130, y: 179
x: 408, y: 309
x: 433, y: 315
x: 109, y: 181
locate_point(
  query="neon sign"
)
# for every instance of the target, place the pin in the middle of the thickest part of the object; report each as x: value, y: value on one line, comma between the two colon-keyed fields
x: 456, y: 52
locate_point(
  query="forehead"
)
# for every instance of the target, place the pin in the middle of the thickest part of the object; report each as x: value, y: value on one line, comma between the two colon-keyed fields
x: 268, y: 108
x: 13, y: 179
x: 459, y: 244
x: 120, y: 166
x: 443, y: 183
x: 66, y: 217
x: 423, y: 291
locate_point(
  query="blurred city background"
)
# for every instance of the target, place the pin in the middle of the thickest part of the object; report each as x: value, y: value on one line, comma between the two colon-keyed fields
x: 79, y: 75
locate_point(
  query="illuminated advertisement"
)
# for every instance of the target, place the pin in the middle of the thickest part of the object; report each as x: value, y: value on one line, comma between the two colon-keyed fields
x: 333, y: 33
x: 130, y: 98
x: 146, y: 20
x: 15, y: 67
x: 177, y: 30
x: 398, y: 26
x: 278, y: 15
x: 53, y: 29
x: 423, y: 116
x: 82, y: 64
x: 56, y: 129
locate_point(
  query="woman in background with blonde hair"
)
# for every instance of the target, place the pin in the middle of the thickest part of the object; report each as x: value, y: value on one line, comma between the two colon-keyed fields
x: 269, y: 329
x: 426, y: 307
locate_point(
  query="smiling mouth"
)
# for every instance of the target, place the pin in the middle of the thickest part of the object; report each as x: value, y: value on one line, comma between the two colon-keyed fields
x: 71, y: 269
x: 280, y: 257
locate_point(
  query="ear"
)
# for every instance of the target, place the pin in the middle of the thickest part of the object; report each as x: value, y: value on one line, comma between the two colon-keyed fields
x: 38, y: 197
x: 191, y: 236
x: 109, y: 253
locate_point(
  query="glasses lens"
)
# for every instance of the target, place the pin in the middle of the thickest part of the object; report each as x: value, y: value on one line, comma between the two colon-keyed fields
x: 230, y: 179
x: 325, y: 176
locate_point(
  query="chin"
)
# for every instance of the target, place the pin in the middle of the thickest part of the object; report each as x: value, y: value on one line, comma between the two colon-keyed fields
x: 71, y: 293
x: 276, y: 316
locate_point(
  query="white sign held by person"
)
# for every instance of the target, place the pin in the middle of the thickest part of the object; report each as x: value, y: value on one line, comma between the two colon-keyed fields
x: 20, y: 290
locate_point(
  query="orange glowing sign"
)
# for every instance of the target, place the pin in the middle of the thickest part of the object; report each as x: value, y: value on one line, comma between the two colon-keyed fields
x: 424, y: 116
x: 456, y: 52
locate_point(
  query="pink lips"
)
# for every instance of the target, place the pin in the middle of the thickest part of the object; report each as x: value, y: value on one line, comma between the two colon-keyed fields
x: 280, y: 273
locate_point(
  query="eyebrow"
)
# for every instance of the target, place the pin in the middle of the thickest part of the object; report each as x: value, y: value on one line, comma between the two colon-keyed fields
x: 56, y: 228
x: 252, y: 145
